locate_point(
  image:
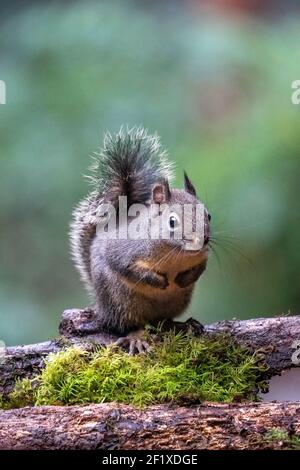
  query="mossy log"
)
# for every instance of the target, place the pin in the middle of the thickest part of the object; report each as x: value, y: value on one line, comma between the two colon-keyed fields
x: 117, y: 426
x: 274, y: 335
x: 110, y: 426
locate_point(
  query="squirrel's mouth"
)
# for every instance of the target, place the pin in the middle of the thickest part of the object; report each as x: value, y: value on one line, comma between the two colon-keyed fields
x: 194, y: 247
x: 202, y: 253
x: 193, y: 255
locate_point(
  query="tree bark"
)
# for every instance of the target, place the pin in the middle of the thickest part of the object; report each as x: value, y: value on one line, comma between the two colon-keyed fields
x: 112, y: 426
x: 18, y: 362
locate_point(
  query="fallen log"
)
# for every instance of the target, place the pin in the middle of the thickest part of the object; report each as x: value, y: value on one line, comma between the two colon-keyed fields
x: 112, y: 426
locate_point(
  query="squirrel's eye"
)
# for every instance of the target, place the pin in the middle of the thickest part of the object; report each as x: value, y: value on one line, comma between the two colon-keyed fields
x: 174, y: 222
x: 209, y: 217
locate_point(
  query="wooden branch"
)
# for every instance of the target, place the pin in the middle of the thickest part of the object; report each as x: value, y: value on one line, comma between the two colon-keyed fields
x: 19, y: 362
x: 111, y: 426
x: 274, y: 335
x: 76, y: 327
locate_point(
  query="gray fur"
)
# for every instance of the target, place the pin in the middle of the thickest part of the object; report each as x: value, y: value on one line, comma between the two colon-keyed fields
x: 128, y: 294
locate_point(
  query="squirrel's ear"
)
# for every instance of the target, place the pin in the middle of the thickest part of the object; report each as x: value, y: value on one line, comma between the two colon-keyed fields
x: 161, y: 193
x: 188, y: 185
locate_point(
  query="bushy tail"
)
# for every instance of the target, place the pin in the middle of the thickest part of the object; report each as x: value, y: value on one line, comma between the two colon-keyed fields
x: 129, y: 163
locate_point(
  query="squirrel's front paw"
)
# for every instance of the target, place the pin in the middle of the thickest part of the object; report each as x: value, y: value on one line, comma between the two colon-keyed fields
x: 134, y: 343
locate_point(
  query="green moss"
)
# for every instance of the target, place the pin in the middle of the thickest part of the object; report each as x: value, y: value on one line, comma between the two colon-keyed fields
x: 282, y: 437
x: 179, y: 369
x: 22, y: 395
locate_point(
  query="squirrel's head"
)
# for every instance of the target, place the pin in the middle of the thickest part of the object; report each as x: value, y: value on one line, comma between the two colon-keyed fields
x: 171, y: 219
x: 184, y: 217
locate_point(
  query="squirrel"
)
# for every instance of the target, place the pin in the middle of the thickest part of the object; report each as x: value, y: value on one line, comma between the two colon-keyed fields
x: 136, y: 282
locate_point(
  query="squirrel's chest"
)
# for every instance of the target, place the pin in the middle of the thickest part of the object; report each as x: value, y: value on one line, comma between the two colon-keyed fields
x: 167, y: 280
x: 174, y: 269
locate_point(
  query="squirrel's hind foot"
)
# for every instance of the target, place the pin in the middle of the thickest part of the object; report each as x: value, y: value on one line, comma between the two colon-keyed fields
x: 134, y: 343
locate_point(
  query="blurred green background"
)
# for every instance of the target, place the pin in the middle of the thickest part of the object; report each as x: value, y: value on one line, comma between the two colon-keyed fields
x: 213, y: 78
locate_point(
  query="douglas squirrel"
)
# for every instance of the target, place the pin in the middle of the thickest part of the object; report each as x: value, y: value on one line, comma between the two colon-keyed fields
x: 140, y: 281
